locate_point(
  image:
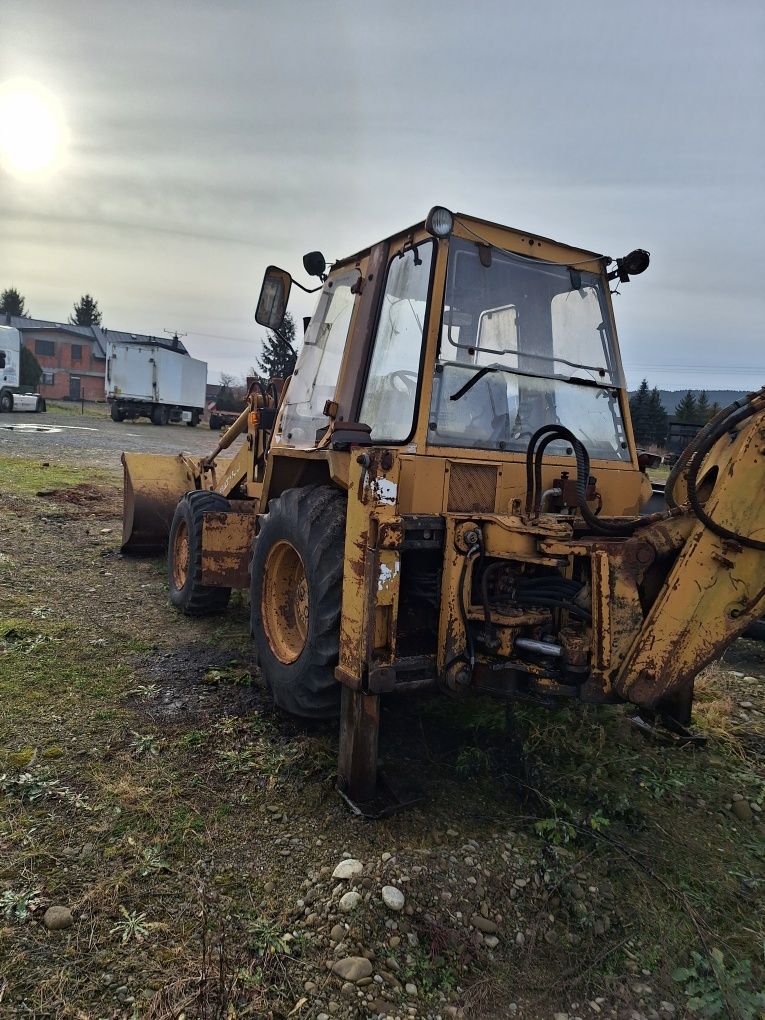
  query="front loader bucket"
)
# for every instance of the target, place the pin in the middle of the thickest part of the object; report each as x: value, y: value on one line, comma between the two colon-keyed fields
x: 153, y: 485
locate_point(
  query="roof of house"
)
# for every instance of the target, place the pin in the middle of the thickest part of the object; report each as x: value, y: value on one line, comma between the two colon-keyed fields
x: 98, y: 334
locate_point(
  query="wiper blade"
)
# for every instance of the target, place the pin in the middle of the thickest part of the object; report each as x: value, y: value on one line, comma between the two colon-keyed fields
x: 531, y: 375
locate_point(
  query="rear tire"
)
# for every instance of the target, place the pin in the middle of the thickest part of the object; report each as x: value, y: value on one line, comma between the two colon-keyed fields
x: 117, y: 413
x: 194, y: 420
x: 295, y: 595
x: 159, y: 415
x: 184, y: 556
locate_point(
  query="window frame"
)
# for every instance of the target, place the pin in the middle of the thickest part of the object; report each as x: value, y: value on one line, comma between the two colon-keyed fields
x: 45, y: 343
x: 400, y: 253
x: 78, y: 348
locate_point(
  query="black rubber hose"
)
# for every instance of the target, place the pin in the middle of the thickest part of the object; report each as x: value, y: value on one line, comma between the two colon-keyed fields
x: 695, y: 466
x: 530, y: 462
x: 698, y: 440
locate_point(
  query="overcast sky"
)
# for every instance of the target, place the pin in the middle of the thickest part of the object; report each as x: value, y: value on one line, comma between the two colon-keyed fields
x: 206, y: 140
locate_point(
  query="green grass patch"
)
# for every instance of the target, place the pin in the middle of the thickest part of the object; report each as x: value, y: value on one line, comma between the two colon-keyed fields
x: 25, y: 477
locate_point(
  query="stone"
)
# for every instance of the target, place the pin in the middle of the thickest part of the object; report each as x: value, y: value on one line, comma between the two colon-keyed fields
x: 742, y: 811
x: 492, y: 941
x: 348, y: 868
x: 410, y: 988
x: 393, y: 898
x: 484, y: 924
x: 338, y: 933
x: 349, y: 901
x: 58, y: 918
x: 352, y: 968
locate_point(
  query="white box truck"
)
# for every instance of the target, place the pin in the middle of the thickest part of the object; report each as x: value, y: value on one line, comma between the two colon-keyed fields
x: 149, y: 380
x: 11, y: 397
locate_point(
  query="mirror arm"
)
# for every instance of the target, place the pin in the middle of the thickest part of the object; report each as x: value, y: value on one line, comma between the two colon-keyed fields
x: 308, y: 290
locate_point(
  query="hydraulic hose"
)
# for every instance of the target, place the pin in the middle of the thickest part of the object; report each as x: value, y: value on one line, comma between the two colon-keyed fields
x: 699, y: 439
x: 702, y: 445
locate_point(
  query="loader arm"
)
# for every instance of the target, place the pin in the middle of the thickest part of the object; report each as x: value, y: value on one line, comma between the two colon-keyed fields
x: 716, y: 586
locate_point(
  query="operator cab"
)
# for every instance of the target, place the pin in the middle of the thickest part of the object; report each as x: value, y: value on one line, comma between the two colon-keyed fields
x: 473, y: 337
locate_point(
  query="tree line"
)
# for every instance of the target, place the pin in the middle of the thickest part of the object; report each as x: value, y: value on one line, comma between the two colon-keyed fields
x: 85, y: 312
x: 650, y: 420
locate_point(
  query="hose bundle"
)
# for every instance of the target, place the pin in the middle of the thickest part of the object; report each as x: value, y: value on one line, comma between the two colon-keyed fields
x: 694, y: 454
x: 534, y: 454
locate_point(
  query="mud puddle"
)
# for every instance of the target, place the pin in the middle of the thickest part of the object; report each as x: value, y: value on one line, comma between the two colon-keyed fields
x: 196, y: 683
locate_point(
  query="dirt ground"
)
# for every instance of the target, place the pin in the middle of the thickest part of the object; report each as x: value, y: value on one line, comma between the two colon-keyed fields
x: 67, y: 436
x: 557, y: 865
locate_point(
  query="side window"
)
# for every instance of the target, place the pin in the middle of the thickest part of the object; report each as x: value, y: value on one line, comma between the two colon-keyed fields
x: 391, y: 386
x: 315, y: 377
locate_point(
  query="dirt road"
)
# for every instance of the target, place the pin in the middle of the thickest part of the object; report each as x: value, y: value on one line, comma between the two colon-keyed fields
x: 96, y: 440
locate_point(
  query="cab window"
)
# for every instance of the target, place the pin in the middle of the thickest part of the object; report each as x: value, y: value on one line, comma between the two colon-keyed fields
x: 390, y: 392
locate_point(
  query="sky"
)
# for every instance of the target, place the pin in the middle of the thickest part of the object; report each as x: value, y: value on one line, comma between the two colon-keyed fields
x: 201, y: 141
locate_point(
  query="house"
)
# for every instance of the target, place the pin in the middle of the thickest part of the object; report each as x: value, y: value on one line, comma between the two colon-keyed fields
x: 73, y: 358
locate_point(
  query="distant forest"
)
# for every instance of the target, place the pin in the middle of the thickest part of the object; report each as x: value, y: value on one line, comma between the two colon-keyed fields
x: 651, y: 409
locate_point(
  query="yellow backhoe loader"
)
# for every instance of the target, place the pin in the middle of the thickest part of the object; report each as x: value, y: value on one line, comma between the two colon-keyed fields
x: 446, y: 495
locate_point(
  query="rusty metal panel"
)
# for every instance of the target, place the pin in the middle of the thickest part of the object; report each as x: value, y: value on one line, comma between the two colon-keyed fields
x: 227, y: 549
x: 472, y: 487
x: 372, y: 500
x: 601, y: 611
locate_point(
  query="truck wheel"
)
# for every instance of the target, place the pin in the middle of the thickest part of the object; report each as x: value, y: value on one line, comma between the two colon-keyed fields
x: 295, y: 593
x: 117, y: 413
x: 184, y: 556
x: 40, y: 406
x: 159, y: 415
x: 194, y: 420
x: 6, y: 403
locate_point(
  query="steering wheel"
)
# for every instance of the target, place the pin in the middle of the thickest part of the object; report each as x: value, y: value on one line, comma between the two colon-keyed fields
x: 407, y: 379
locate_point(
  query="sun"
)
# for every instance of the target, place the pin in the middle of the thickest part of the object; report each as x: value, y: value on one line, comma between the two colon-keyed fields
x: 31, y: 129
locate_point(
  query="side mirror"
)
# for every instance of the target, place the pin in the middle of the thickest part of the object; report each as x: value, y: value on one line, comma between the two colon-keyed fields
x: 274, y: 295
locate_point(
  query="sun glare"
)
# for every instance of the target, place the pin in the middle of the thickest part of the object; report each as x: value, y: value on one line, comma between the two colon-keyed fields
x: 31, y: 129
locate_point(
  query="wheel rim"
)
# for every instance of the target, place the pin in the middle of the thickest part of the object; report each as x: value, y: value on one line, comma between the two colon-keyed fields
x: 285, y: 602
x: 180, y: 555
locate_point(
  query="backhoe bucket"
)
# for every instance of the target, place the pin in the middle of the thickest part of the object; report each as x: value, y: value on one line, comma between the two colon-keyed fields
x: 153, y: 485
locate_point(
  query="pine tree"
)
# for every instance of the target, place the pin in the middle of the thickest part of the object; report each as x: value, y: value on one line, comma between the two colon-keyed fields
x: 658, y: 417
x: 30, y: 369
x: 640, y: 413
x: 687, y: 409
x: 713, y: 410
x: 702, y: 406
x: 279, y: 352
x: 12, y: 302
x: 86, y: 312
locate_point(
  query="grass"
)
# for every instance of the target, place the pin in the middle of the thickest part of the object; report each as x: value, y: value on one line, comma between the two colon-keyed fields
x: 23, y: 477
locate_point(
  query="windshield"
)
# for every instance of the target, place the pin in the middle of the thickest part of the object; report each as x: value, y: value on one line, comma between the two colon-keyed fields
x: 524, y: 343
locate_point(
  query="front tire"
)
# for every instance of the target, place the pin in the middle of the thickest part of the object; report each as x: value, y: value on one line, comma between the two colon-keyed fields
x: 6, y: 403
x: 184, y: 556
x: 159, y: 415
x: 295, y: 595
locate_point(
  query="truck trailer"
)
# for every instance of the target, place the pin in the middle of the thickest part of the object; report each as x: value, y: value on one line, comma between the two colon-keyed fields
x: 149, y: 380
x: 11, y: 397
